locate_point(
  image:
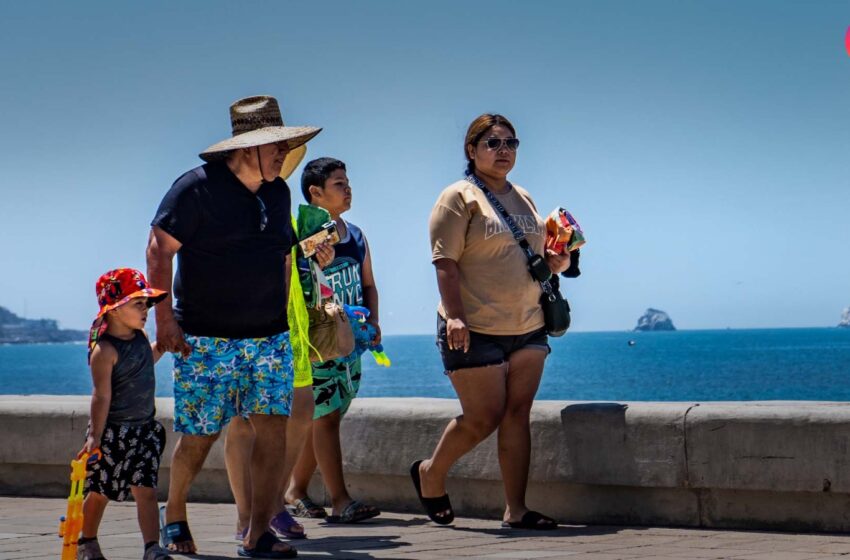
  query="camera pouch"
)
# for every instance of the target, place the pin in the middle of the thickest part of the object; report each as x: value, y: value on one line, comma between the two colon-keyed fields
x: 538, y: 268
x: 556, y: 310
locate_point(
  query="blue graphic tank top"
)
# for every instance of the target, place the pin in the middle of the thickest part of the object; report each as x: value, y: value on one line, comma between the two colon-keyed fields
x: 344, y: 274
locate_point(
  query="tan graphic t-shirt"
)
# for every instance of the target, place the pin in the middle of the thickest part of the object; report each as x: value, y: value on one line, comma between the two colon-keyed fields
x: 499, y: 295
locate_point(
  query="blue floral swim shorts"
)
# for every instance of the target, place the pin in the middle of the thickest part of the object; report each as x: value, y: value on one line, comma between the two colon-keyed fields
x: 227, y: 377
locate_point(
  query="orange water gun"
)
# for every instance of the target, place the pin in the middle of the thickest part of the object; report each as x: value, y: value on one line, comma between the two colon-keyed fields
x: 71, y: 523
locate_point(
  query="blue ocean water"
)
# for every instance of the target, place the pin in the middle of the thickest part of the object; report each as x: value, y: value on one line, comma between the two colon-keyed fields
x: 717, y: 365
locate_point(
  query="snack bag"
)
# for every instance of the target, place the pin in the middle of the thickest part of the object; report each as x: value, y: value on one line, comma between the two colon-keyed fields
x: 563, y: 232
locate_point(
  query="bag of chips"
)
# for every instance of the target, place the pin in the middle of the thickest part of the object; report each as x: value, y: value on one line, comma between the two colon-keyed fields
x: 563, y: 232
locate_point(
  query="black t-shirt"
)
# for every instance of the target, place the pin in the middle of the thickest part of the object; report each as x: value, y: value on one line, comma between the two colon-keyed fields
x: 230, y: 274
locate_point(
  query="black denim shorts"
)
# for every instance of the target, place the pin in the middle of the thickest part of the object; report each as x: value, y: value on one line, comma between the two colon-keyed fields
x: 130, y: 457
x: 486, y: 349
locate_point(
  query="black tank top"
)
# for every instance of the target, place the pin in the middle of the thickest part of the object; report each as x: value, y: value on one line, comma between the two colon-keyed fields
x: 133, y: 381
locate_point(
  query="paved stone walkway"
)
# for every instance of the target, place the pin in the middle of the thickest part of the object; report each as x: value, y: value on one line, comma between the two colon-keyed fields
x: 28, y: 530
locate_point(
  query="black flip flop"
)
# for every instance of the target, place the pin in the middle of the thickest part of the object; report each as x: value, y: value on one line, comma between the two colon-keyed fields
x: 354, y: 512
x: 173, y: 533
x: 264, y: 548
x: 433, y: 506
x: 532, y: 520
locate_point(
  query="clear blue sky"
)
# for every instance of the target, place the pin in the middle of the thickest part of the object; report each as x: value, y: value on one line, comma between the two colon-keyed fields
x: 704, y: 146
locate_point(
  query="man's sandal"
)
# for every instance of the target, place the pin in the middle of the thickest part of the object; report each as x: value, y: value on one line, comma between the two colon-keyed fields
x: 175, y: 533
x: 434, y: 507
x: 265, y: 548
x: 285, y: 527
x: 533, y: 520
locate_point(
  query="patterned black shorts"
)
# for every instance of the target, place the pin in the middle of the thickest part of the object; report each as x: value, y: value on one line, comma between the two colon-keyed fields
x: 130, y: 457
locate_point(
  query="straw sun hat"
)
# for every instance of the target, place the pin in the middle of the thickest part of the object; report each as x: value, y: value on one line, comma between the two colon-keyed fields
x: 256, y: 121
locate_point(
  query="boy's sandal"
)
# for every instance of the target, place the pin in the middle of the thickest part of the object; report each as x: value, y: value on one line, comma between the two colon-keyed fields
x: 175, y: 533
x: 265, y: 548
x: 285, y: 527
x: 156, y: 552
x: 305, y: 507
x: 434, y: 507
x: 354, y: 512
x: 533, y: 520
x: 89, y: 551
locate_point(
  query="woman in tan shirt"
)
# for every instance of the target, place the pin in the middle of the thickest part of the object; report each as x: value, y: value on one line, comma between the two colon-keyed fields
x: 490, y: 330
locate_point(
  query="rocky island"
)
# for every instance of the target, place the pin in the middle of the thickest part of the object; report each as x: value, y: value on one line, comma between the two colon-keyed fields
x: 845, y: 318
x: 17, y: 330
x: 655, y: 320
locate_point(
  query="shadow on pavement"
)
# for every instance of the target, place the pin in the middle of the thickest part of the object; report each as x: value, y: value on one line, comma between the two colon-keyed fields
x: 353, y: 548
x: 389, y: 522
x: 560, y: 531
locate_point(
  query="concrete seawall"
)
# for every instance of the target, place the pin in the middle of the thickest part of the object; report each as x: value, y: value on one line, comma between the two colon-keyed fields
x: 776, y: 465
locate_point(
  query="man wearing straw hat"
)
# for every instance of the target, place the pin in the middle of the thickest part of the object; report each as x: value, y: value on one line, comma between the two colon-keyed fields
x: 228, y: 223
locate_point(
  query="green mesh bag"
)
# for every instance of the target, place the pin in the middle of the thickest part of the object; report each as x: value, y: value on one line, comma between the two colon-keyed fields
x: 299, y: 323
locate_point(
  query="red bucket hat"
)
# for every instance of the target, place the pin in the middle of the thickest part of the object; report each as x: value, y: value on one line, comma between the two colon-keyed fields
x: 114, y: 289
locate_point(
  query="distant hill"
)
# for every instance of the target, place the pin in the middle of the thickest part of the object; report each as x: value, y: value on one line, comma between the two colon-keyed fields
x: 17, y: 330
x: 655, y: 320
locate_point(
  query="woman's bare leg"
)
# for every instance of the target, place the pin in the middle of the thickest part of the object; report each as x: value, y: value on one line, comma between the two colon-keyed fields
x: 482, y: 398
x: 525, y: 368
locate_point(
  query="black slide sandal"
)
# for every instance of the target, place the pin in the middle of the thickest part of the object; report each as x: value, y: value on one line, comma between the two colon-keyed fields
x: 532, y: 520
x: 433, y: 506
x: 174, y: 533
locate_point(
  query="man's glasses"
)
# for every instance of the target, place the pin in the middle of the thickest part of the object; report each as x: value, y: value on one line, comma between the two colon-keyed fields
x: 264, y: 218
x: 496, y: 144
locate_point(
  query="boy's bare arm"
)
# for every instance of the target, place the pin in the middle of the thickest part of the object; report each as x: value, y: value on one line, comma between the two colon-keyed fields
x: 103, y: 359
x: 370, y: 294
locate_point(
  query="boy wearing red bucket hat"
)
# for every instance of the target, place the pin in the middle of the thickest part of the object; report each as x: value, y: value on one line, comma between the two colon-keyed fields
x: 122, y: 423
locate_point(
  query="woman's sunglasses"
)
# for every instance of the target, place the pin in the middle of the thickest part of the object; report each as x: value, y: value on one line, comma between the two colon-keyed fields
x: 496, y: 144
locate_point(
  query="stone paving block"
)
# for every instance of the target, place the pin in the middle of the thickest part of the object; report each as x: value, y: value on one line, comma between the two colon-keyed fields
x: 564, y: 544
x: 691, y: 552
x: 645, y: 540
x: 775, y: 555
x: 772, y: 544
x: 525, y: 554
x: 594, y: 556
x: 662, y: 550
x: 825, y: 548
x: 717, y: 541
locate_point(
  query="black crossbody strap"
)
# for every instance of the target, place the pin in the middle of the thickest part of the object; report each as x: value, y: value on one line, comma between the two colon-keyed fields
x: 511, y: 223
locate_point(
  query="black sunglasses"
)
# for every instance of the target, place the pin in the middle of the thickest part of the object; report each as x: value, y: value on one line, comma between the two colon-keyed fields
x: 496, y: 144
x: 264, y: 218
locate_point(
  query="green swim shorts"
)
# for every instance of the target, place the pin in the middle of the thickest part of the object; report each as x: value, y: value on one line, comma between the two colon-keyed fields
x: 335, y: 384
